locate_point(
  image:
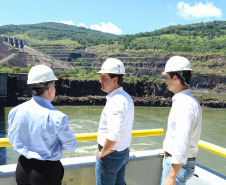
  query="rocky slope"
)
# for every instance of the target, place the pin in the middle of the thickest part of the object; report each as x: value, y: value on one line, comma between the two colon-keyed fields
x: 75, y: 92
x: 208, y: 70
x: 4, y: 51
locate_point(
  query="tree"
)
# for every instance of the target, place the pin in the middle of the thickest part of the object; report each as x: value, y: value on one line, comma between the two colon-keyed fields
x: 16, y: 69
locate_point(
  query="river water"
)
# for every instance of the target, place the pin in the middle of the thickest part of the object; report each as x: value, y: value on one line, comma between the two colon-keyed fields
x: 85, y: 119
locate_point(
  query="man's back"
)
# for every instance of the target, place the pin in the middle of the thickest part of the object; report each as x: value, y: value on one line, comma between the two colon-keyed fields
x: 34, y: 128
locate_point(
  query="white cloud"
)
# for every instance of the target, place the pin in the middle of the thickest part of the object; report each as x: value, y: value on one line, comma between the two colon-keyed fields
x: 108, y: 28
x: 103, y: 27
x: 70, y: 22
x: 82, y: 25
x: 198, y: 11
x: 52, y: 21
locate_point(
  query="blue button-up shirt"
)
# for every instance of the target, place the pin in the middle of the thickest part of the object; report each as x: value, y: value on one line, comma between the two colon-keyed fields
x: 37, y: 130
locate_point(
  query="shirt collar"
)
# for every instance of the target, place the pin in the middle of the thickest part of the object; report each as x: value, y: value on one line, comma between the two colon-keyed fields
x: 185, y: 92
x: 42, y: 100
x: 112, y: 93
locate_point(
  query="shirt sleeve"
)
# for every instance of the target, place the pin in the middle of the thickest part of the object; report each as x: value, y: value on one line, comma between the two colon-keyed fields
x: 12, y: 127
x: 66, y: 136
x: 183, y: 133
x: 115, y: 121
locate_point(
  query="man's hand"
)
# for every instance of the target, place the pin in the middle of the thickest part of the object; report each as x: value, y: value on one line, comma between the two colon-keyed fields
x: 100, y: 154
x: 170, y: 181
x: 174, y: 170
x: 108, y: 145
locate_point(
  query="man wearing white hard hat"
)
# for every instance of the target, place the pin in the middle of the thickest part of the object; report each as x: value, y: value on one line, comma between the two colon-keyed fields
x: 115, y: 128
x: 184, y: 125
x: 39, y: 132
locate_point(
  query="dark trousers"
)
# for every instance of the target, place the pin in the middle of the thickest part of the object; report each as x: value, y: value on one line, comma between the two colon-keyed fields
x: 37, y: 172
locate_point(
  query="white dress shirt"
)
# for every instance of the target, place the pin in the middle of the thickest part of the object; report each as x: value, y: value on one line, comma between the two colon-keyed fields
x: 117, y: 120
x: 184, y: 127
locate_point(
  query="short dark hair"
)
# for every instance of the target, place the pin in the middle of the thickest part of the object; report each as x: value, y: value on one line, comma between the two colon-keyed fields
x: 120, y: 77
x: 39, y: 88
x: 183, y: 76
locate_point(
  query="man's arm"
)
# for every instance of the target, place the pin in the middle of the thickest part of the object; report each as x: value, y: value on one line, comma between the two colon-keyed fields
x: 108, y: 145
x: 174, y: 170
x: 66, y: 136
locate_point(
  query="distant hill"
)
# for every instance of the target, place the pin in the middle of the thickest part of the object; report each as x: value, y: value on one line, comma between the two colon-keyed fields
x: 51, y: 31
x: 144, y: 54
x: 207, y: 37
x: 201, y: 38
x: 215, y: 28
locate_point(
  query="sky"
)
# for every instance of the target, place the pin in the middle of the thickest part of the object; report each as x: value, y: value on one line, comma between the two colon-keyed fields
x: 119, y: 17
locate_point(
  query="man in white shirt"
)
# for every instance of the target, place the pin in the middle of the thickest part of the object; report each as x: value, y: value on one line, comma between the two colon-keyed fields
x: 115, y: 128
x: 184, y: 125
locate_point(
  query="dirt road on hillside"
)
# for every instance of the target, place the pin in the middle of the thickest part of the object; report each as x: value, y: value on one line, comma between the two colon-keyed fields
x: 7, y: 58
x: 45, y: 59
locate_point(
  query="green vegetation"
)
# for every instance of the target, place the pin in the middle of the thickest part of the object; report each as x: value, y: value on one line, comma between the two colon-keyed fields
x: 15, y: 70
x: 56, y: 33
x: 196, y: 38
x: 203, y: 43
x: 76, y: 74
x: 80, y: 74
x: 207, y: 37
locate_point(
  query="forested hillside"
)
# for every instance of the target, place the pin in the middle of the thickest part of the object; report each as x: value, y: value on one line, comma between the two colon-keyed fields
x: 50, y: 31
x: 197, y: 38
x: 207, y: 37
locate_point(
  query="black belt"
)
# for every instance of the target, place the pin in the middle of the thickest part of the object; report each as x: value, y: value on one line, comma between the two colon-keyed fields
x: 169, y: 155
x: 100, y: 148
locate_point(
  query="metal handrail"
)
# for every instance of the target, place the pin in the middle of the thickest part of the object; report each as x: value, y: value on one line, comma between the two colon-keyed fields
x: 212, y: 148
x: 4, y: 142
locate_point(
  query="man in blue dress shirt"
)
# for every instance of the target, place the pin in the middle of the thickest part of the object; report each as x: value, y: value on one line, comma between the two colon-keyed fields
x: 39, y: 132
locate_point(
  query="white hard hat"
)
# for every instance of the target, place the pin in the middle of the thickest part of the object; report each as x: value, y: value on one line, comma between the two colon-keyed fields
x: 113, y: 66
x: 40, y: 74
x: 177, y: 63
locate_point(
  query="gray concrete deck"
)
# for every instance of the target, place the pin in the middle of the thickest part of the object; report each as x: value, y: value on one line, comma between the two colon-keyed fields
x: 144, y: 168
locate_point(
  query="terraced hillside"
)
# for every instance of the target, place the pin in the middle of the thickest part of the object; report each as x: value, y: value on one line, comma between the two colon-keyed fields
x: 137, y: 63
x: 143, y: 54
x: 208, y: 70
x: 46, y: 59
x: 23, y: 57
x: 59, y: 52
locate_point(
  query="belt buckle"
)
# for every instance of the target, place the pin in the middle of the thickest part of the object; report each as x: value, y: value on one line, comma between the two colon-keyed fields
x: 192, y: 158
x: 168, y: 154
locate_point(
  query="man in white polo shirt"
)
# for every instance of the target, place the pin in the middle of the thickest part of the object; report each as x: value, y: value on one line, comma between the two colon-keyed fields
x: 184, y: 125
x: 115, y: 128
